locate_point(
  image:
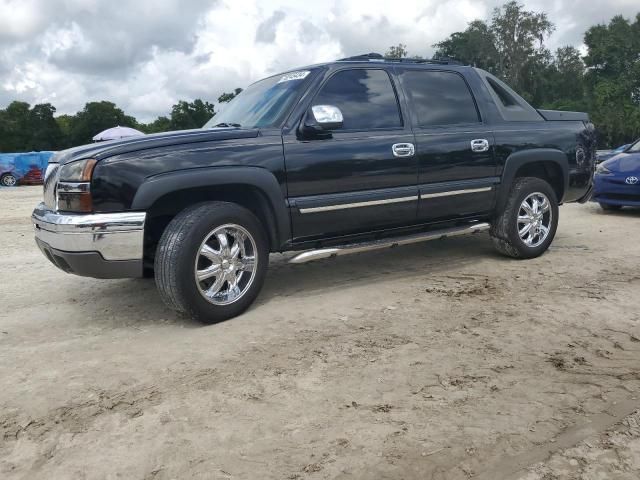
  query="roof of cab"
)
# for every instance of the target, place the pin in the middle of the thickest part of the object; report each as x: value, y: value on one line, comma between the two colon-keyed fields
x: 378, y: 59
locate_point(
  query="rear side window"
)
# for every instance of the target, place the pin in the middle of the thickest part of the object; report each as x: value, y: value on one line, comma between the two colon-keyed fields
x: 366, y: 99
x: 505, y: 97
x: 512, y: 107
x: 439, y: 98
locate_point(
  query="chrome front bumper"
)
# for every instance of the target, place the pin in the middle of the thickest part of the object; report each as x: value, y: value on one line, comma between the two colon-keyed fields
x: 102, y: 245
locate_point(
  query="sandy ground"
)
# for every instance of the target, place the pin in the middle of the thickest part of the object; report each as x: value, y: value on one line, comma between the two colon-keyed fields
x: 433, y: 361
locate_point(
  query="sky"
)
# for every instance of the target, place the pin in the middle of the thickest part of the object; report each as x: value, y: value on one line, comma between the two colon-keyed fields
x: 145, y: 55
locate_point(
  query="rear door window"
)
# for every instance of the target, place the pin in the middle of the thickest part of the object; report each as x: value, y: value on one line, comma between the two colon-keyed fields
x: 439, y: 98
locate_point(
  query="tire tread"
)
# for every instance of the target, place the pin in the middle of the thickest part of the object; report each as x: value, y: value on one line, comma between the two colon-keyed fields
x: 167, y: 264
x: 500, y: 231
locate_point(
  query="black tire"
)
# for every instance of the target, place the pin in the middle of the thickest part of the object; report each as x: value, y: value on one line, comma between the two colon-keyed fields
x: 8, y: 180
x: 504, y: 228
x: 177, y: 254
x: 610, y: 208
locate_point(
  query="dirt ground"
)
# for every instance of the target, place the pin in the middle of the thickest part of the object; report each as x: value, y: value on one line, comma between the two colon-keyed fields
x: 440, y: 360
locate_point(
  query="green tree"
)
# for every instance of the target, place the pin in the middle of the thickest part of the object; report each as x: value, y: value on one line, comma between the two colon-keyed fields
x: 475, y: 46
x: 15, y: 128
x: 397, y: 51
x: 24, y: 129
x: 185, y: 115
x: 519, y: 39
x: 227, y: 97
x: 64, y: 124
x: 564, y: 81
x: 45, y: 131
x: 96, y: 117
x: 511, y: 47
x: 613, y: 79
x: 160, y: 124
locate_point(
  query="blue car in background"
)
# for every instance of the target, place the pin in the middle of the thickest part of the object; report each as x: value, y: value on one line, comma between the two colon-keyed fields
x: 617, y: 180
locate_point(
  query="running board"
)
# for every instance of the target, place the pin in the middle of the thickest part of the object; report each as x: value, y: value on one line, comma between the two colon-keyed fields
x: 329, y: 252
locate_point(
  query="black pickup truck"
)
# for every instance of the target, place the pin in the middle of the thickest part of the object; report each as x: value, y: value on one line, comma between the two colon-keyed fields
x: 358, y: 154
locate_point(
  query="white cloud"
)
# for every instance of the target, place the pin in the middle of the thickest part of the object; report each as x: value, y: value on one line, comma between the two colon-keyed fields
x: 20, y: 19
x: 147, y: 54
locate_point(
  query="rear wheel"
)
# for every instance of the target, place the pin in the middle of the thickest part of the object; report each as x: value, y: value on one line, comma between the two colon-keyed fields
x: 527, y: 225
x: 211, y: 261
x: 8, y: 180
x: 610, y: 208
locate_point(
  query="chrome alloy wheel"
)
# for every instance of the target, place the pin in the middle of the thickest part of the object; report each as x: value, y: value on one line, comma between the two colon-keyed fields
x: 226, y: 264
x: 534, y: 219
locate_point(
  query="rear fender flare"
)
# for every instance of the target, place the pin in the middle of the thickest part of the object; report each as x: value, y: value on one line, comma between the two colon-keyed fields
x: 518, y: 159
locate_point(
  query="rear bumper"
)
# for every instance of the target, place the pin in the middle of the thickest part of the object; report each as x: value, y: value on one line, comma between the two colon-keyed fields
x: 102, y: 245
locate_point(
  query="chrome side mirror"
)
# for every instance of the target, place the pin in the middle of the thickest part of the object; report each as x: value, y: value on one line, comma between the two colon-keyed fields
x: 327, y: 117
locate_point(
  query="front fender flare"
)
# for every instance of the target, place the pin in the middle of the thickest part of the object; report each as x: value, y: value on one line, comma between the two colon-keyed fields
x: 163, y: 184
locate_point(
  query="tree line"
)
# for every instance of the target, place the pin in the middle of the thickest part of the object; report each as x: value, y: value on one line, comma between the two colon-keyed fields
x: 604, y: 81
x: 24, y: 128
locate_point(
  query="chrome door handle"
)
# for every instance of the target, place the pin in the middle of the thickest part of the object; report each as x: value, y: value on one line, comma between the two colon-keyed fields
x: 479, y: 145
x: 403, y: 149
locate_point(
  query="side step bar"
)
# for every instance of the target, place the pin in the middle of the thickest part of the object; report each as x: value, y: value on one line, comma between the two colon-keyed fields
x: 311, y: 255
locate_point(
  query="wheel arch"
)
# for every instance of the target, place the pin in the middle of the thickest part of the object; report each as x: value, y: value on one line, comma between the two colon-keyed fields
x: 548, y: 164
x: 163, y: 196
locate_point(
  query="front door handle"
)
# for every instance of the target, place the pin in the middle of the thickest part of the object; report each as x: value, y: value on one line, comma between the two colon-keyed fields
x: 479, y: 145
x: 403, y: 149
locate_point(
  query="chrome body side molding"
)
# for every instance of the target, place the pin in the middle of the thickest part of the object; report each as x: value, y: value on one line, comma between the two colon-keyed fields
x: 455, y: 192
x: 371, y: 203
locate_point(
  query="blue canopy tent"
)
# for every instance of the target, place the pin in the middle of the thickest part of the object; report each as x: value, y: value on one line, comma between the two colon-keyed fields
x: 23, y: 168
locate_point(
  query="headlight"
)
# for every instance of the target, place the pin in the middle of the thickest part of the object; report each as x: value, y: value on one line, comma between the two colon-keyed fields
x: 74, y: 187
x: 602, y: 170
x: 78, y: 171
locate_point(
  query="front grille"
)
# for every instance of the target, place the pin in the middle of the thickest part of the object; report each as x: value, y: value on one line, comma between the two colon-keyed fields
x: 50, y: 182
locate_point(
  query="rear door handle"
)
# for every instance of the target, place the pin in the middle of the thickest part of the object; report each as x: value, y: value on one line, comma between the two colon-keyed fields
x: 403, y: 149
x: 479, y: 145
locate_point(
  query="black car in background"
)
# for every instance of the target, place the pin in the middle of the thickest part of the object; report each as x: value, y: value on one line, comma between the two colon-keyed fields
x: 602, y: 155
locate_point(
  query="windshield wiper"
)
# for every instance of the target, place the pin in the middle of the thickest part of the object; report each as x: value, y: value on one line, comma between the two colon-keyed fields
x: 227, y: 125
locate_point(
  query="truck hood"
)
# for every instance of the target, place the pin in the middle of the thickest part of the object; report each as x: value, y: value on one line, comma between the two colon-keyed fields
x: 115, y: 147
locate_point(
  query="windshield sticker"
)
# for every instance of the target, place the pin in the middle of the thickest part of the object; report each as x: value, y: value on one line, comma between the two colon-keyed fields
x: 294, y: 76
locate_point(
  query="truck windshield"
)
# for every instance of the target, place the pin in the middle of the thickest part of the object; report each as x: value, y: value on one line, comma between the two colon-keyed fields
x: 263, y: 104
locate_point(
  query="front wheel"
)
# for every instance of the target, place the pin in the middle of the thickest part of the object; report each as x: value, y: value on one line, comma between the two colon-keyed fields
x: 528, y: 223
x: 211, y: 261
